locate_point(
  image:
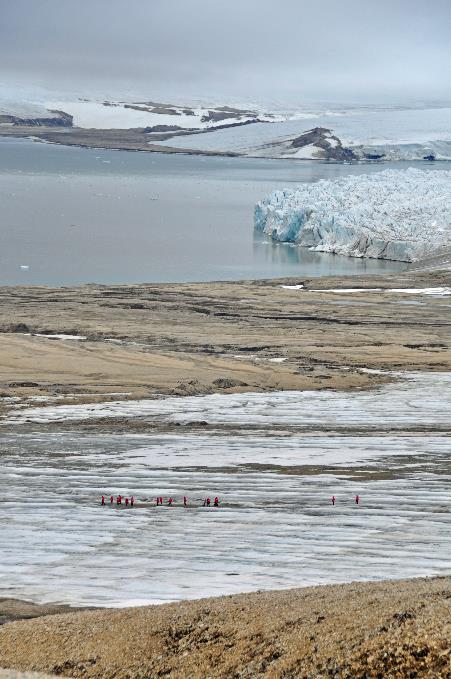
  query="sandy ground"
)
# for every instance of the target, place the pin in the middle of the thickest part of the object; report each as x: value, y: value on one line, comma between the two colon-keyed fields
x: 387, y: 629
x: 143, y: 340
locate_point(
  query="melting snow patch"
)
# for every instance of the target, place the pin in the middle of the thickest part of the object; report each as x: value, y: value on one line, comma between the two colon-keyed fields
x: 59, y: 336
x: 346, y: 290
x: 436, y: 292
x: 292, y: 287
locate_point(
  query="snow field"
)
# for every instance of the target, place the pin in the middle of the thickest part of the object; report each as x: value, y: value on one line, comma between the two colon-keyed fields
x: 275, y: 526
x: 95, y: 115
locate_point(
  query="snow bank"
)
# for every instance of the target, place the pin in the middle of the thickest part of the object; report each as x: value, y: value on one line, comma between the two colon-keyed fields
x: 396, y: 214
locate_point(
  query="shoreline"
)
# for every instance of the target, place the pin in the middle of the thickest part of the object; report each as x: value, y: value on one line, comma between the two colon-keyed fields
x: 135, y: 139
x: 118, y: 140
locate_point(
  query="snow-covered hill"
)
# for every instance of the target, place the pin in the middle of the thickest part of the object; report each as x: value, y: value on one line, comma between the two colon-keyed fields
x: 151, y: 115
x: 366, y: 133
x: 154, y: 116
x: 395, y: 214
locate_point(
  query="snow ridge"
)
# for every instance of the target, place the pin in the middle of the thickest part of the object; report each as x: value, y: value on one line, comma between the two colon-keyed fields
x: 395, y: 214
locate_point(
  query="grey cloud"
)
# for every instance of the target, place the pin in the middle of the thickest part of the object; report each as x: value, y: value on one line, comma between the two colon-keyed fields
x: 256, y: 49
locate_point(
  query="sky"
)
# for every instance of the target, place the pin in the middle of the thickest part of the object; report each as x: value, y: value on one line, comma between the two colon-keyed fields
x: 373, y: 51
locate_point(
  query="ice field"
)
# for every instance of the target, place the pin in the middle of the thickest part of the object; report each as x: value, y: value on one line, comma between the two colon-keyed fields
x: 275, y: 527
x: 416, y: 399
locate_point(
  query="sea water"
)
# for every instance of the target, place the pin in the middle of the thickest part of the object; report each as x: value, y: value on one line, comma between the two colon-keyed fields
x: 71, y: 215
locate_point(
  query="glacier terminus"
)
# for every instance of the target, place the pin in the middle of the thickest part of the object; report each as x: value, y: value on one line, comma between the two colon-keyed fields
x: 394, y: 214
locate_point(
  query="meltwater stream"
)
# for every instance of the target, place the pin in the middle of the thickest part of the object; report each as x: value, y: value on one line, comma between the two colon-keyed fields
x: 276, y: 526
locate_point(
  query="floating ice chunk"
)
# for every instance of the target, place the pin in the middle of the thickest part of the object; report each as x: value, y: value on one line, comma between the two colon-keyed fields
x: 395, y: 214
x: 24, y: 266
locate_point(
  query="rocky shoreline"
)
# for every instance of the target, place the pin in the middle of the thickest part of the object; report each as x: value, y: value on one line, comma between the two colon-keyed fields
x: 325, y: 147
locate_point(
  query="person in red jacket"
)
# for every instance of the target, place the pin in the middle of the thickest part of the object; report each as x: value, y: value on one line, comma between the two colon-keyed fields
x: 132, y: 501
x: 216, y: 502
x: 357, y: 499
x: 333, y: 499
x: 111, y: 499
x: 103, y: 500
x: 126, y: 501
x: 119, y: 499
x: 170, y: 501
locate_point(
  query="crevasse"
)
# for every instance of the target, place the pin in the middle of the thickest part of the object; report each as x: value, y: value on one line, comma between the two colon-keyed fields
x: 395, y: 214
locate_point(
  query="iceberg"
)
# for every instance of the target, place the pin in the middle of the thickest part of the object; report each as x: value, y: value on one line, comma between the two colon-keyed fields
x: 395, y: 214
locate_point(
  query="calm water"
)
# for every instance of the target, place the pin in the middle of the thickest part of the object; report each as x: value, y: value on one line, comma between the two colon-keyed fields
x: 76, y: 215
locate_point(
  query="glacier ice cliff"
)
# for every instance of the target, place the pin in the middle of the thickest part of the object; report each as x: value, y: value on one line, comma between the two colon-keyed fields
x: 395, y: 214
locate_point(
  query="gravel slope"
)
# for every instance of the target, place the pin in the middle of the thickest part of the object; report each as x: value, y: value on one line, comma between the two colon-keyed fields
x: 386, y: 629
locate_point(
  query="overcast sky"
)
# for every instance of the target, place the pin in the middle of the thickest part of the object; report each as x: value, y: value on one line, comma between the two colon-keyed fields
x: 268, y: 50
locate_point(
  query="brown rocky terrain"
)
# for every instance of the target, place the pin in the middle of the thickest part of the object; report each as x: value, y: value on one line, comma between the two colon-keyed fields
x: 207, y: 337
x: 143, y: 340
x: 14, y: 674
x: 373, y: 630
x: 13, y: 609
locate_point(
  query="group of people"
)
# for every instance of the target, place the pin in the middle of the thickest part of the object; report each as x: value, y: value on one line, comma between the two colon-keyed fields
x: 333, y: 499
x: 130, y: 502
x: 126, y: 501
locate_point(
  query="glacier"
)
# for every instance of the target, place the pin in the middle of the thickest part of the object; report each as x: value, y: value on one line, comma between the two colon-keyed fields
x: 399, y: 215
x: 390, y: 134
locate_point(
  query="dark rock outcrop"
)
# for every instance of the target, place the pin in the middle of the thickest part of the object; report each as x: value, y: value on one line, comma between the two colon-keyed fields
x: 163, y: 128
x: 59, y: 119
x: 324, y: 140
x: 374, y: 156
